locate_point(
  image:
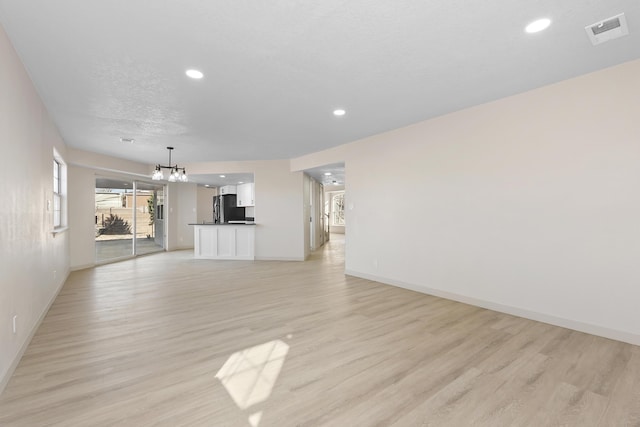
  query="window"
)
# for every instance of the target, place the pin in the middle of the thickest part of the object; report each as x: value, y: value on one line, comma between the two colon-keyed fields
x: 59, y: 205
x: 337, y: 209
x: 57, y: 194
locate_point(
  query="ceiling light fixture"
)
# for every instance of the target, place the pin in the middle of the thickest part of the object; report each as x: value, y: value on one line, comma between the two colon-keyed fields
x: 194, y: 74
x: 327, y: 174
x: 538, y: 25
x: 339, y: 112
x: 223, y: 176
x: 176, y: 175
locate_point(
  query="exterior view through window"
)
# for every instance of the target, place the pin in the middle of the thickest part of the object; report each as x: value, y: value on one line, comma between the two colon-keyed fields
x: 128, y: 218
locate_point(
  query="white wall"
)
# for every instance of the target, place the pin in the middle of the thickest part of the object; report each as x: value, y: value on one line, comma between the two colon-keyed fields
x: 102, y: 163
x: 205, y: 203
x: 82, y: 188
x: 278, y: 205
x: 316, y: 212
x: 329, y: 188
x: 278, y: 211
x: 306, y: 214
x: 182, y: 203
x: 528, y: 205
x: 29, y: 252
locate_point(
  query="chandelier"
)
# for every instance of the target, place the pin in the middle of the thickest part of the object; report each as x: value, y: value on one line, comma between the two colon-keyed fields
x: 176, y: 175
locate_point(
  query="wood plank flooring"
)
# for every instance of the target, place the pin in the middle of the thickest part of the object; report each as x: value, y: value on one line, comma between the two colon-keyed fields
x: 166, y: 340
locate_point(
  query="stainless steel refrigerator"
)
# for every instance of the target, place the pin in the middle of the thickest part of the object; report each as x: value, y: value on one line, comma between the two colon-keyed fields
x: 225, y: 209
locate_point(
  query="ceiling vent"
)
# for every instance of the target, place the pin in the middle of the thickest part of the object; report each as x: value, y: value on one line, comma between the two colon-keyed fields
x: 609, y: 29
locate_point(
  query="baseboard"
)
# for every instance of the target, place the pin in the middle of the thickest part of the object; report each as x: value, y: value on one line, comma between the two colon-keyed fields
x: 16, y: 361
x: 575, y: 325
x: 279, y: 259
x: 82, y: 267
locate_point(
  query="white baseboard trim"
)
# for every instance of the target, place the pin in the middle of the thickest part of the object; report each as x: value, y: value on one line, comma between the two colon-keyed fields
x: 82, y: 267
x: 588, y: 328
x: 279, y: 259
x: 16, y: 361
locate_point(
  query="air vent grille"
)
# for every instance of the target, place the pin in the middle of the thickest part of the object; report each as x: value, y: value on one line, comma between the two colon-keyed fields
x: 606, y: 26
x: 608, y: 29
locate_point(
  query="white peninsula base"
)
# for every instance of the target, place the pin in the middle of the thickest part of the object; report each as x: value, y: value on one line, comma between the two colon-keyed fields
x: 224, y: 241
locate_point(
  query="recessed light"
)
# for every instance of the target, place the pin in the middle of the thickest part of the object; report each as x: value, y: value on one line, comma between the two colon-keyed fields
x: 327, y: 174
x: 207, y: 185
x: 339, y: 112
x: 223, y: 176
x: 195, y: 74
x: 537, y: 26
x: 240, y: 182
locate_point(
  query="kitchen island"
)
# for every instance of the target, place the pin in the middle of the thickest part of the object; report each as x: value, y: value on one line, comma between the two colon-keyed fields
x: 224, y: 241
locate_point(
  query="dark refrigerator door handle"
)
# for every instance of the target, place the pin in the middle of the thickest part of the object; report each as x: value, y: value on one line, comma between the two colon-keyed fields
x: 216, y: 210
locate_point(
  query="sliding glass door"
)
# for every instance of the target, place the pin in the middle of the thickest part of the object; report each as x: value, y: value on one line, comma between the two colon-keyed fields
x: 113, y: 219
x: 149, y: 218
x: 129, y: 218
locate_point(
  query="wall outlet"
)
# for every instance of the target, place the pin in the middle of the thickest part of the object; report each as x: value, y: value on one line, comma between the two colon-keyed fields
x: 55, y: 274
x: 14, y: 322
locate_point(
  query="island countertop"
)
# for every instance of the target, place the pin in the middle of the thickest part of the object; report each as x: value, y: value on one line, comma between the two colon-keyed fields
x: 226, y: 223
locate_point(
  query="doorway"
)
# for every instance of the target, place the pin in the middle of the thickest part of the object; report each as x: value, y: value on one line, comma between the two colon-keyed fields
x: 129, y: 218
x: 149, y: 218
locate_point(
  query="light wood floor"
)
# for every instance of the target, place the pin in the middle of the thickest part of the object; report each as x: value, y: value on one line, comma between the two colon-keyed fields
x: 172, y: 341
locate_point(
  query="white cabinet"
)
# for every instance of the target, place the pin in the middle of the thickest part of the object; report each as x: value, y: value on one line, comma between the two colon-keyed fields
x: 228, y: 189
x: 246, y: 194
x: 224, y: 241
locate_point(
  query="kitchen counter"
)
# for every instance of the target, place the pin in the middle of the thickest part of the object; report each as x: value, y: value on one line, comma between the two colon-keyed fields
x: 226, y: 223
x: 224, y: 241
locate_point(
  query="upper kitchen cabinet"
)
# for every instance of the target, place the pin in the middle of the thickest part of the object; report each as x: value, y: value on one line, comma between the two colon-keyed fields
x: 246, y: 194
x: 228, y: 189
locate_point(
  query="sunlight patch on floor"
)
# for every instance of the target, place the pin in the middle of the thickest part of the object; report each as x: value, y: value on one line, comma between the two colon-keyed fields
x: 250, y: 374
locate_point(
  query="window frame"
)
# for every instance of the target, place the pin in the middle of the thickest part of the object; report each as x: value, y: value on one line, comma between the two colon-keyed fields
x: 58, y: 204
x: 335, y: 209
x: 57, y: 193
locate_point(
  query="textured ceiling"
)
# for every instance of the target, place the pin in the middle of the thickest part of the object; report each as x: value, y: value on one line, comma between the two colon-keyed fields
x: 275, y: 70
